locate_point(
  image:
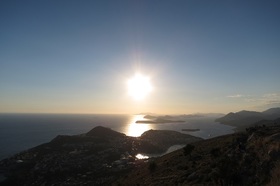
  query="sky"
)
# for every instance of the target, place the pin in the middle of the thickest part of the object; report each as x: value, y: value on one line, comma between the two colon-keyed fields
x: 200, y: 55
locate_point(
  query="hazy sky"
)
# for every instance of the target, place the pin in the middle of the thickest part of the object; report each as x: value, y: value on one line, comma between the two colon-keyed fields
x: 201, y: 56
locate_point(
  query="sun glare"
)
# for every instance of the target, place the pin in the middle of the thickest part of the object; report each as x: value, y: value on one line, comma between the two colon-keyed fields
x: 139, y: 86
x: 135, y: 129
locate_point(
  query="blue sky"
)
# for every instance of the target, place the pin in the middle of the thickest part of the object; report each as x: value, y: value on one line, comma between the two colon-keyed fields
x: 201, y: 56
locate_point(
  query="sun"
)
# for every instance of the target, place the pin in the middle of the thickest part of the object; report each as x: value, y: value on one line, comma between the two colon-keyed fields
x: 139, y: 86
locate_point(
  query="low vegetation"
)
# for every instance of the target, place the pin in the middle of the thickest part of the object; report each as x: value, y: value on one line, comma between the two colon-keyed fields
x: 188, y: 149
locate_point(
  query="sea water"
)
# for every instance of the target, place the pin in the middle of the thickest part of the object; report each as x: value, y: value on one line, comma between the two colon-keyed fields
x: 20, y: 132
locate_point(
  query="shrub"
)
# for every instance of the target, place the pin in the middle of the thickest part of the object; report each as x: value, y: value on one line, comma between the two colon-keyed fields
x: 215, y: 152
x: 152, y: 166
x: 188, y: 149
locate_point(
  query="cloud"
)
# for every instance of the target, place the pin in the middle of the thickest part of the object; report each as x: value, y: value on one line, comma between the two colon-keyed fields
x: 271, y: 99
x: 251, y: 99
x: 273, y: 102
x: 261, y: 102
x: 271, y: 95
x: 265, y: 101
x: 235, y: 96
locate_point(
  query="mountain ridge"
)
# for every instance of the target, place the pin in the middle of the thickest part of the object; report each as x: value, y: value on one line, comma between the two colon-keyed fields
x: 244, y: 118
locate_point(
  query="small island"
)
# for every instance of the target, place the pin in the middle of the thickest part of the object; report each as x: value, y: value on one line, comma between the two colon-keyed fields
x: 159, y: 120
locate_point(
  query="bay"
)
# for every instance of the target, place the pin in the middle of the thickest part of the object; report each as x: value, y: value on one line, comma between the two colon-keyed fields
x: 20, y: 132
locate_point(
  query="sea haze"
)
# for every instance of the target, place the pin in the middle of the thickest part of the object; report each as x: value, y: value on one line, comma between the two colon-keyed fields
x: 19, y: 132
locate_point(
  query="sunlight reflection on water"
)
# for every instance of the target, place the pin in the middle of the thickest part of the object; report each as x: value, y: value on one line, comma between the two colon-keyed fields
x: 141, y: 156
x: 134, y: 129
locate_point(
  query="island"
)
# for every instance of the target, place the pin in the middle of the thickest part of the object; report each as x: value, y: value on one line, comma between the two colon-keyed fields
x: 245, y: 119
x: 159, y: 120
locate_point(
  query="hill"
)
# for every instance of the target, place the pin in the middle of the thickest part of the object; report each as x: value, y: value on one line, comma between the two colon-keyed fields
x: 244, y: 119
x: 272, y: 113
x: 103, y: 132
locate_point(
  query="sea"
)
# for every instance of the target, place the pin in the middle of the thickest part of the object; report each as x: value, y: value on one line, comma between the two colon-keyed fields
x: 19, y: 132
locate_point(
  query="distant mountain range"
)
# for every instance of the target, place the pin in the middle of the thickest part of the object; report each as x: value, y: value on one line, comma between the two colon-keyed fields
x: 245, y: 118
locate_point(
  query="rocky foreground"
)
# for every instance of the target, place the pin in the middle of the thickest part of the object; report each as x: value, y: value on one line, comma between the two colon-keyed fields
x: 98, y: 157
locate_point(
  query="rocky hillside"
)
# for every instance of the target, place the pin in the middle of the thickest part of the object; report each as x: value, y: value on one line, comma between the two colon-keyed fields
x: 248, y: 158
